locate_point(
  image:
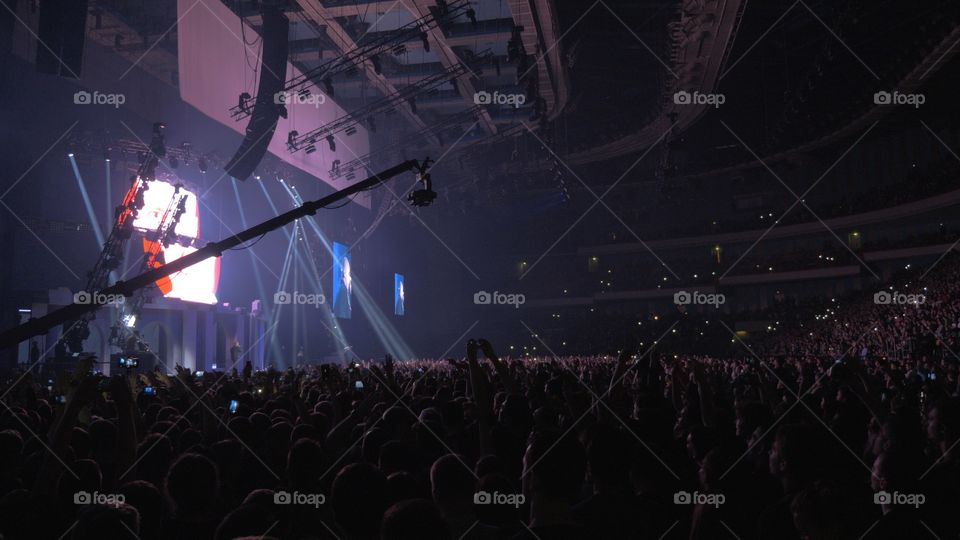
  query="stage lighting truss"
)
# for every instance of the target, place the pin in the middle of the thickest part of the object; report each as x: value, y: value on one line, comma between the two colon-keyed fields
x: 296, y: 142
x: 363, y: 163
x: 369, y: 52
x: 163, y: 236
x: 112, y: 254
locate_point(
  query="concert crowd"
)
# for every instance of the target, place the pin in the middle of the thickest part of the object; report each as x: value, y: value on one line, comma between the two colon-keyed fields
x: 843, y: 427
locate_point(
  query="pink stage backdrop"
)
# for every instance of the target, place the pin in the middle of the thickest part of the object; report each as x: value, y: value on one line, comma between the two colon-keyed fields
x: 216, y: 67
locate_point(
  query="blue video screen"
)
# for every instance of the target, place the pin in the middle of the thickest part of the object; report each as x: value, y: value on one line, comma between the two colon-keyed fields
x: 398, y: 294
x: 342, y: 281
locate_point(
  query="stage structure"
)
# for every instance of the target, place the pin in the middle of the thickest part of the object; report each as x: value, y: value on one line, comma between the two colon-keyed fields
x: 364, y: 163
x: 199, y: 337
x: 164, y: 216
x: 111, y: 256
x: 405, y: 97
x: 392, y: 42
x: 84, y: 311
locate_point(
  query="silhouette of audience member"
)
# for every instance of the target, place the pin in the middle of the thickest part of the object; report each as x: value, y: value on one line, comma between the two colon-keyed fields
x: 359, y: 498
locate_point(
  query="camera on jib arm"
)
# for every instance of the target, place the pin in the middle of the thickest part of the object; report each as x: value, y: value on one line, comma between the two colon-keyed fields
x: 425, y: 196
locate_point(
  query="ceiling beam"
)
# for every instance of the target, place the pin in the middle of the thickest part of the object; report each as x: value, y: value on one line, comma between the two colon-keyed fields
x: 154, y: 60
x: 323, y: 17
x: 421, y: 8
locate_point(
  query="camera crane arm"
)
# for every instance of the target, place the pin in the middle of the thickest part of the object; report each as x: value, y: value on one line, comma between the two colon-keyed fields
x: 38, y: 326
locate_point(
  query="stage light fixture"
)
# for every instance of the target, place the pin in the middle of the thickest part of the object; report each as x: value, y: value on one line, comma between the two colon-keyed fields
x: 375, y: 60
x: 292, y: 139
x: 332, y: 142
x: 328, y: 86
x: 350, y: 131
x: 157, y: 144
x: 426, y: 41
x: 472, y: 15
x: 310, y: 149
x: 243, y: 101
x: 202, y: 164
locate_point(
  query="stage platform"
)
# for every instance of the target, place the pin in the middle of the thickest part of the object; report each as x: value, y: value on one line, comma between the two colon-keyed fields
x: 196, y: 336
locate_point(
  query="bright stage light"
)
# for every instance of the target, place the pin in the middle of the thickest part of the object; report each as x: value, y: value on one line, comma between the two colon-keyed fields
x: 130, y: 320
x: 156, y: 199
x: 197, y: 283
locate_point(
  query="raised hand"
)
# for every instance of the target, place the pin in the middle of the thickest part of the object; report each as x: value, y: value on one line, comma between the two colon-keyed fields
x: 506, y: 377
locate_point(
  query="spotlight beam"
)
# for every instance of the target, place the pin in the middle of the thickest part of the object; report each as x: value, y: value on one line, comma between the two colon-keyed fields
x: 316, y: 278
x: 258, y: 277
x: 109, y: 207
x: 91, y: 215
x: 387, y: 335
